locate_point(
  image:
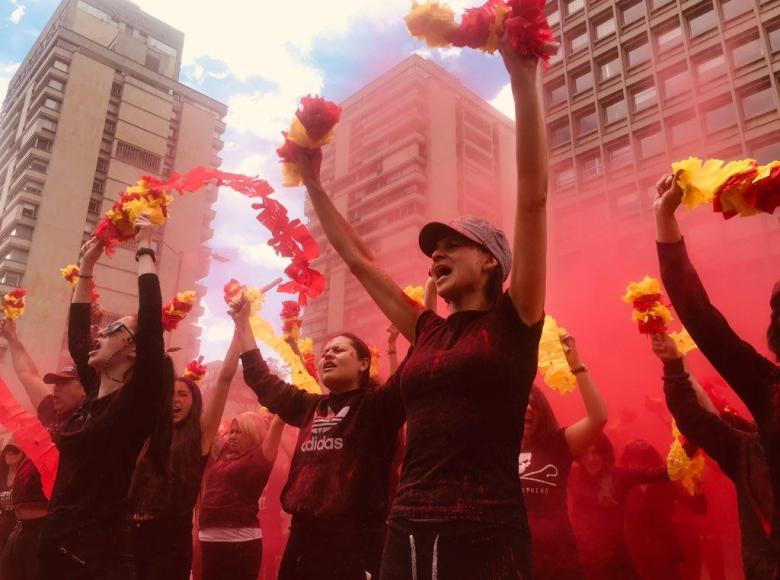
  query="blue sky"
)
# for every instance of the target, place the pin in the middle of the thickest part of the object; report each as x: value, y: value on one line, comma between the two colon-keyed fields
x: 259, y: 58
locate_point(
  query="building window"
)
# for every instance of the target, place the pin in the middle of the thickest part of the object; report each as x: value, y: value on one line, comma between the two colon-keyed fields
x: 556, y: 94
x: 733, y: 8
x: 17, y: 255
x: 619, y: 154
x: 577, y: 40
x: 162, y: 47
x: 554, y: 16
x: 710, y: 66
x: 591, y: 166
x: 102, y: 165
x: 116, y: 90
x: 609, y: 69
x: 644, y: 98
x: 22, y: 232
x: 684, y: 128
x: 668, y: 36
x: 583, y: 80
x: 564, y: 175
x: 52, y: 104
x: 574, y: 6
x: 702, y: 21
x: 38, y: 166
x: 604, y: 28
x: 29, y: 210
x: 48, y: 124
x: 748, y: 50
x: 42, y: 144
x: 767, y: 152
x: 97, y: 13
x: 94, y: 206
x: 652, y: 144
x: 614, y: 111
x: 60, y: 65
x: 98, y: 186
x: 33, y: 187
x: 638, y: 53
x: 137, y: 157
x: 109, y: 127
x: 9, y: 278
x: 759, y: 101
x: 153, y: 62
x: 676, y: 83
x: 630, y: 13
x: 656, y: 4
x: 774, y: 39
x: 56, y: 85
x: 560, y: 134
x: 587, y: 123
x: 719, y: 116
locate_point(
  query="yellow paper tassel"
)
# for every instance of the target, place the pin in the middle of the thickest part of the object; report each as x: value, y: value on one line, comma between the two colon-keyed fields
x: 416, y: 293
x: 688, y: 471
x: 71, y: 274
x: 683, y: 341
x: 432, y: 23
x: 646, y: 287
x: 374, y: 370
x: 552, y: 360
x: 700, y: 180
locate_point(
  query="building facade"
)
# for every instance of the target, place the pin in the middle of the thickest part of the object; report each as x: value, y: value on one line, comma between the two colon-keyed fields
x: 95, y: 105
x: 412, y: 146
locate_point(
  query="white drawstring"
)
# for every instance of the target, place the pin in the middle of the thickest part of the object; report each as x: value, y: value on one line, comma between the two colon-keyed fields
x: 435, y: 560
x: 414, y: 557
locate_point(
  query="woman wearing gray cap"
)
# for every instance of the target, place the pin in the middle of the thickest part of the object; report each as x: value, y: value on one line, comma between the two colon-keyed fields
x: 459, y: 510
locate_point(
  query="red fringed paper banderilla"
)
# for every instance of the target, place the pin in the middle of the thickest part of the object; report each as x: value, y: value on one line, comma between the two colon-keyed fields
x: 521, y: 22
x: 196, y: 370
x: 14, y: 303
x: 291, y: 319
x: 178, y: 309
x: 312, y: 127
x: 650, y: 313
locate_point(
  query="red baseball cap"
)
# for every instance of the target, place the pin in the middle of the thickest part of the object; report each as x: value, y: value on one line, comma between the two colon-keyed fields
x: 66, y: 373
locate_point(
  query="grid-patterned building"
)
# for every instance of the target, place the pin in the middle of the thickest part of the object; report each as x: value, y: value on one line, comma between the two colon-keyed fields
x: 94, y: 105
x: 413, y: 145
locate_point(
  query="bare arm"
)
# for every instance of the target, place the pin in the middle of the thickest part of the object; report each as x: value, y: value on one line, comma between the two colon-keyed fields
x: 667, y: 229
x: 430, y: 297
x: 392, y: 351
x: 583, y: 433
x: 24, y: 366
x: 529, y: 264
x: 399, y: 308
x: 272, y: 439
x: 213, y: 413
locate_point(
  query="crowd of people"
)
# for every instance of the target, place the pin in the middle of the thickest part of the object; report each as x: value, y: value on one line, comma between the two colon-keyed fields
x: 455, y: 468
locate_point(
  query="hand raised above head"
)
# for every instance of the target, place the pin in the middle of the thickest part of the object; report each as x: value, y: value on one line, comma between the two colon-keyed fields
x: 664, y: 347
x: 669, y: 194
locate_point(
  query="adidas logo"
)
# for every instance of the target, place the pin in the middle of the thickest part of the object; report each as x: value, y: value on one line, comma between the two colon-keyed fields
x: 322, y: 425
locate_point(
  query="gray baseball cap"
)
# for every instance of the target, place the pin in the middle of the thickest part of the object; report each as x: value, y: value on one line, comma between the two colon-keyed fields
x: 475, y: 229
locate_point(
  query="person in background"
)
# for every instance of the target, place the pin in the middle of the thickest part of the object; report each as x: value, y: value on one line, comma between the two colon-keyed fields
x: 546, y: 456
x: 734, y: 443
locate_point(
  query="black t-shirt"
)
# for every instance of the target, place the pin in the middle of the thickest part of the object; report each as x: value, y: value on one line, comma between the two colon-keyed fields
x: 544, y: 472
x: 101, y: 441
x: 346, y: 443
x: 465, y: 388
x: 27, y: 486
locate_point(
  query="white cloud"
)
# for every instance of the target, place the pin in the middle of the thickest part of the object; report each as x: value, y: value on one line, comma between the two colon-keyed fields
x: 504, y: 101
x: 7, y: 71
x: 253, y: 165
x: 17, y: 14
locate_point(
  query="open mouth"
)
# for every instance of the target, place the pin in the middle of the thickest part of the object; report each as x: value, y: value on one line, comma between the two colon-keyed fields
x: 328, y: 366
x: 441, y: 271
x: 96, y: 347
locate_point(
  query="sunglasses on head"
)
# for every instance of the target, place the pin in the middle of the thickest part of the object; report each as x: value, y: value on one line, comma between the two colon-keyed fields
x: 115, y: 327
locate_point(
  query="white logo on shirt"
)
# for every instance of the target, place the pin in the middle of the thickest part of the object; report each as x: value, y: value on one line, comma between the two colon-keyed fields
x: 320, y: 426
x: 546, y: 475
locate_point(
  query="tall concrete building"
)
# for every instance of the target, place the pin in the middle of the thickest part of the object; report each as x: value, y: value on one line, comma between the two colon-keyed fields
x: 94, y: 105
x: 412, y: 146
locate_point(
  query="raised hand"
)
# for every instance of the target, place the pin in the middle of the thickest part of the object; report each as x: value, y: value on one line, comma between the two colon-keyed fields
x: 144, y: 229
x: 664, y: 347
x: 89, y: 255
x: 669, y: 194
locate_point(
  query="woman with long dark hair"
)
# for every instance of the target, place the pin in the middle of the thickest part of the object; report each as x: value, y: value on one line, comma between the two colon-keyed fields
x: 546, y: 457
x: 229, y: 527
x: 337, y: 488
x: 128, y: 380
x: 754, y: 377
x: 459, y: 509
x: 11, y: 458
x: 162, y: 502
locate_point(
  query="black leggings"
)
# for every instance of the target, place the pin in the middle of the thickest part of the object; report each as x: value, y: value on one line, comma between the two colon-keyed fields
x: 234, y: 560
x: 455, y: 551
x: 329, y: 550
x: 20, y: 557
x: 161, y: 549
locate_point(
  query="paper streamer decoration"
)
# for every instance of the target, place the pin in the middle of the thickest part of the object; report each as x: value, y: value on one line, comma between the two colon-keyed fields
x: 196, y: 370
x: 374, y: 369
x: 71, y: 274
x: 264, y: 331
x: 521, y: 22
x: 552, y: 360
x: 680, y: 467
x: 650, y: 313
x: 743, y: 188
x: 178, y: 309
x: 14, y: 303
x: 30, y: 436
x: 291, y: 320
x: 312, y: 127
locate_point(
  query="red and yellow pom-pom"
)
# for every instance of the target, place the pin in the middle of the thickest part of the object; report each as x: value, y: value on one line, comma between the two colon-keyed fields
x: 521, y: 22
x: 233, y: 290
x: 650, y: 313
x: 178, y: 309
x: 742, y: 188
x: 312, y: 127
x: 291, y: 319
x: 71, y: 274
x: 147, y: 198
x: 552, y: 360
x: 196, y: 370
x: 14, y: 303
x: 416, y: 293
x: 680, y: 467
x: 374, y: 370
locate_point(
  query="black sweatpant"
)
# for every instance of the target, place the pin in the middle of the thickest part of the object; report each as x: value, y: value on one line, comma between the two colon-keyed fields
x: 234, y: 560
x: 20, y: 557
x: 332, y: 550
x: 455, y: 551
x: 161, y: 548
